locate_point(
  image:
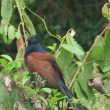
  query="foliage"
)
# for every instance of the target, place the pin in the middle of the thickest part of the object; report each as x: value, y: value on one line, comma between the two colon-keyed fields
x: 77, y: 65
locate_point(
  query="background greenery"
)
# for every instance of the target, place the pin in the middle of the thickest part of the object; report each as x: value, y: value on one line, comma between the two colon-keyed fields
x: 84, y: 58
x: 83, y: 16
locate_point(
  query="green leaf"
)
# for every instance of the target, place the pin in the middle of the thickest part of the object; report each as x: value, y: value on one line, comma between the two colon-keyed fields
x: 53, y: 100
x: 44, y: 100
x: 8, y: 98
x: 101, y: 52
x: 79, y: 92
x: 22, y: 4
x: 73, y: 47
x: 106, y: 52
x: 48, y: 90
x: 83, y: 80
x: 64, y: 59
x: 6, y: 9
x: 11, y: 32
x: 97, y: 51
x: 106, y: 75
x: 25, y: 79
x: 53, y: 47
x: 105, y: 10
x: 7, y: 57
x: 54, y: 107
x: 56, y: 93
x: 29, y: 24
x: 17, y: 35
x: 24, y: 76
x: 3, y: 62
x: 27, y: 88
x: 4, y: 29
x: 16, y: 76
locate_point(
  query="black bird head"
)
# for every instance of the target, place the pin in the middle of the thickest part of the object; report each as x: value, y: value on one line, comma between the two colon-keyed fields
x: 33, y: 40
x: 33, y: 45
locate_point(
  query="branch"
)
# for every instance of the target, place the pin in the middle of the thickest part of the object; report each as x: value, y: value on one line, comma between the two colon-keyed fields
x: 79, y: 68
x: 21, y: 17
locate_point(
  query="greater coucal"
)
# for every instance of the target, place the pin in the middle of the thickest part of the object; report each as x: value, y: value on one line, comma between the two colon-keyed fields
x: 39, y: 60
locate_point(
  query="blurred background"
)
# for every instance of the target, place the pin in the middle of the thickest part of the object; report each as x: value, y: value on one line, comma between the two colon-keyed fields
x: 84, y: 16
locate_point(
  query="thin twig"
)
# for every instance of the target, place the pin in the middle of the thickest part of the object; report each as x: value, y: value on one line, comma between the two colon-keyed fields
x: 43, y: 23
x: 21, y: 17
x: 79, y: 68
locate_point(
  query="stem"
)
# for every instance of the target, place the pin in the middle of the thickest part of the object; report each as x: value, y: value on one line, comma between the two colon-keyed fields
x: 21, y: 17
x: 44, y: 24
x: 79, y: 68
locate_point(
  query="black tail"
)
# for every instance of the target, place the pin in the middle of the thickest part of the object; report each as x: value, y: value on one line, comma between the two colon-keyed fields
x: 66, y: 92
x: 69, y: 95
x: 62, y: 86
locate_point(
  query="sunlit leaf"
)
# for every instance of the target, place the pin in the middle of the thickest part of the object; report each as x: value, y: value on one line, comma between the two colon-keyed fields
x: 7, y: 57
x: 6, y: 9
x: 53, y: 100
x: 73, y: 47
x: 25, y: 79
x: 48, y: 90
x: 11, y: 32
x: 17, y: 35
x: 105, y: 10
x: 29, y: 24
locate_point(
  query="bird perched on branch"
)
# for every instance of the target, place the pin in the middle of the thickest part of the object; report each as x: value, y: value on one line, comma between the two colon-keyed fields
x: 39, y: 60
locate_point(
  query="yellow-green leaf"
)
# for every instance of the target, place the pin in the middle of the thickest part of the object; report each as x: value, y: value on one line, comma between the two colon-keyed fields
x: 11, y: 32
x: 29, y: 24
x: 105, y: 10
x: 6, y: 9
x: 7, y: 57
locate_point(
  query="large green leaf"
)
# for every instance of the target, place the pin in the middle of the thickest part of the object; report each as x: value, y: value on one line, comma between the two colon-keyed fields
x: 79, y: 92
x: 7, y: 32
x: 6, y: 9
x: 83, y: 80
x: 28, y: 23
x: 64, y: 59
x: 97, y: 51
x: 4, y: 29
x: 101, y: 52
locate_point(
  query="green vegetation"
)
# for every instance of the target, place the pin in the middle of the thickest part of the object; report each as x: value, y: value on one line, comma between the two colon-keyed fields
x: 87, y: 73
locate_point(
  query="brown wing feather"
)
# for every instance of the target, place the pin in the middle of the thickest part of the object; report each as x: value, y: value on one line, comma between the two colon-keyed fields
x: 39, y: 62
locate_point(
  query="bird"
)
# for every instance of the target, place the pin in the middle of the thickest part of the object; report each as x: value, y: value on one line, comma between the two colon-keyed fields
x: 37, y: 59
